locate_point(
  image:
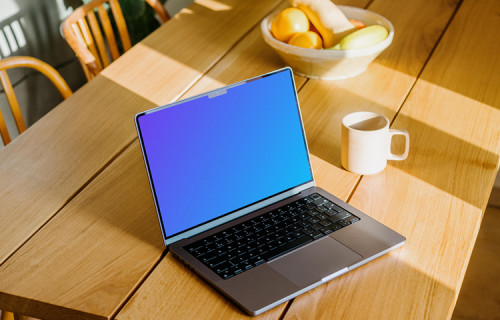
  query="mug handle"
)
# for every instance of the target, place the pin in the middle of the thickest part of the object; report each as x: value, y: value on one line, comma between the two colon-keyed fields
x: 394, y: 132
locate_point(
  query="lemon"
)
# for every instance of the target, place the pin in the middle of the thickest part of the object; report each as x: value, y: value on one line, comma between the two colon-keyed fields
x: 308, y: 39
x: 288, y: 22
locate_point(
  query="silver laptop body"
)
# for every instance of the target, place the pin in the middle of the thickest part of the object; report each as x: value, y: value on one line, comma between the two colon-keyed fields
x: 263, y: 284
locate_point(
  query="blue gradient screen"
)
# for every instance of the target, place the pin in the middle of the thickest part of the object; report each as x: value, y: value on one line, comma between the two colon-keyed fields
x: 213, y: 155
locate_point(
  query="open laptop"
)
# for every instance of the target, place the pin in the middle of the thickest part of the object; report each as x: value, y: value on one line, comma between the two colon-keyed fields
x: 236, y: 197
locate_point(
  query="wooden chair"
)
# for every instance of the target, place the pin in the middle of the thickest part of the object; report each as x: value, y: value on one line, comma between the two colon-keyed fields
x: 88, y: 43
x: 29, y: 62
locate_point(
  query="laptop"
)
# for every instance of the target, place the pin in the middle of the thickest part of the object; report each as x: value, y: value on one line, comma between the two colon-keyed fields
x: 236, y: 199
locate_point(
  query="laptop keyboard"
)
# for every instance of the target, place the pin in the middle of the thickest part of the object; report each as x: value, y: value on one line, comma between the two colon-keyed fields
x: 263, y: 238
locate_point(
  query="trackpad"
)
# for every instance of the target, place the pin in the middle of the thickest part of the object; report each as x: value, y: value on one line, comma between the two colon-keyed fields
x: 312, y: 263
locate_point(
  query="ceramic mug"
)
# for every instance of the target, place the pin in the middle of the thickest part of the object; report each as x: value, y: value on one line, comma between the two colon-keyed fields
x: 366, y: 142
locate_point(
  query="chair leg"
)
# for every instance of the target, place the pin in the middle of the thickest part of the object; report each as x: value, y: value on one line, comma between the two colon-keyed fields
x: 6, y: 315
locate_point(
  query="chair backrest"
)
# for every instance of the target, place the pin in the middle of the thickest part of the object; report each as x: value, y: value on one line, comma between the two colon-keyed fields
x: 159, y: 9
x: 83, y: 33
x: 29, y: 62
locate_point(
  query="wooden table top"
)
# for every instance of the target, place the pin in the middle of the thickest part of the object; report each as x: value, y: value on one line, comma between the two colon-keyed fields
x: 80, y: 237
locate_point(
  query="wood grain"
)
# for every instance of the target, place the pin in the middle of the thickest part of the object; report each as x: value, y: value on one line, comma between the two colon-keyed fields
x: 89, y: 257
x: 437, y: 196
x: 194, y: 299
x: 43, y: 168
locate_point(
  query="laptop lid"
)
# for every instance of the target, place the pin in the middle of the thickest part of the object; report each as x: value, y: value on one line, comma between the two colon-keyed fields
x: 220, y: 155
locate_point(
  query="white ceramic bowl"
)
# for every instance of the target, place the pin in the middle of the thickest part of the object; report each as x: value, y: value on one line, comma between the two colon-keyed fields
x: 330, y: 64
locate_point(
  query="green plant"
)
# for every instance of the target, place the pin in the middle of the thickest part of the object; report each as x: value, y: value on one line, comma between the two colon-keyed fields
x: 140, y: 19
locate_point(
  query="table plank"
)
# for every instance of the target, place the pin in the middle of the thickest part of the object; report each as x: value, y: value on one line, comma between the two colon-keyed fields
x: 43, y: 169
x: 452, y: 115
x: 89, y: 257
x: 318, y: 98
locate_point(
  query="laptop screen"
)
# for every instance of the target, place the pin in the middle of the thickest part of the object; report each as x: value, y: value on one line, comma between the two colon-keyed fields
x: 222, y: 151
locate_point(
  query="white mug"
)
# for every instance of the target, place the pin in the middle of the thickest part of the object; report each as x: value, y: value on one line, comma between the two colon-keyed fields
x: 366, y: 142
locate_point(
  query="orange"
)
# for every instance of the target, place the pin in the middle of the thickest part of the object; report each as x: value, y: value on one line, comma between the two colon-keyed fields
x: 288, y: 22
x: 308, y: 39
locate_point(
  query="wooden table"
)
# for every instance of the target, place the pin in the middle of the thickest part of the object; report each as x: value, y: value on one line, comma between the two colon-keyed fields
x: 80, y: 237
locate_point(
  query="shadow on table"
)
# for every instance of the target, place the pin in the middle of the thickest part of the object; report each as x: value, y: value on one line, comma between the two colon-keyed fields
x: 458, y: 35
x: 393, y: 286
x: 436, y: 157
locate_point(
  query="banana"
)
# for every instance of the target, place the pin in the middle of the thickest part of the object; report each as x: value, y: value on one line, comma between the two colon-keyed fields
x: 331, y: 23
x: 362, y: 38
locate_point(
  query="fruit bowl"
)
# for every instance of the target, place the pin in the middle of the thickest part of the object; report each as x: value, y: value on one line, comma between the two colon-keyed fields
x: 330, y: 64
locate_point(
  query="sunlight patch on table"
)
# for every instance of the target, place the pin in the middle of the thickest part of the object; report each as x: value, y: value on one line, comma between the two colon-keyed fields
x: 452, y: 113
x: 214, y: 5
x: 411, y: 209
x: 393, y: 80
x: 155, y: 84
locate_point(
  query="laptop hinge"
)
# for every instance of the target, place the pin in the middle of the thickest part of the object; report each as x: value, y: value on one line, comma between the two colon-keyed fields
x: 240, y: 213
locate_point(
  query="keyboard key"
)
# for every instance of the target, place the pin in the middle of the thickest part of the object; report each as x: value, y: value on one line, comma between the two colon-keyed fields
x: 310, y: 206
x: 316, y: 226
x: 337, y: 227
x: 334, y: 218
x: 316, y: 234
x: 256, y: 260
x: 302, y: 209
x: 319, y: 201
x: 353, y: 219
x: 322, y: 216
x: 313, y: 220
x: 247, y: 266
x: 238, y: 271
x: 336, y: 208
x: 316, y: 196
x: 304, y: 224
x: 307, y: 230
x: 327, y: 230
x: 298, y: 234
x: 343, y: 223
x: 344, y: 215
x: 222, y: 267
x: 321, y: 209
x: 312, y: 213
x: 328, y: 205
x: 325, y: 222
